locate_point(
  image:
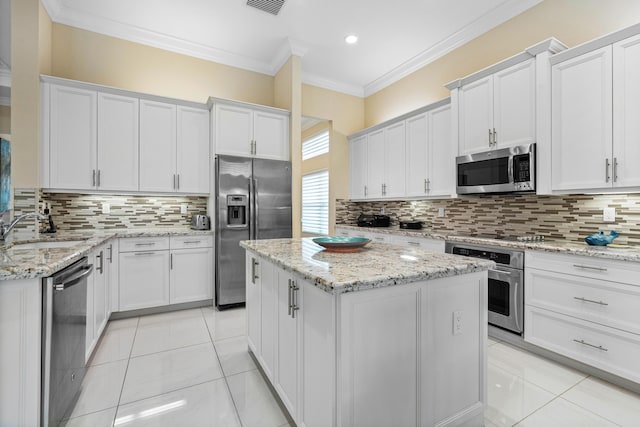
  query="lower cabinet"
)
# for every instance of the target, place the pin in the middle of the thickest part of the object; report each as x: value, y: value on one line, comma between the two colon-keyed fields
x: 323, y: 352
x: 159, y: 271
x: 98, y: 297
x: 585, y: 308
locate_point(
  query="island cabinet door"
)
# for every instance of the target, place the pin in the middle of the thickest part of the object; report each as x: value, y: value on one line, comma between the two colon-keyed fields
x: 289, y: 307
x: 253, y: 296
x: 268, y: 312
x: 379, y: 357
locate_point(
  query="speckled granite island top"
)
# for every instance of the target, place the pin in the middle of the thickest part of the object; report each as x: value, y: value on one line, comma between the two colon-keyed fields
x: 18, y: 262
x: 376, y: 265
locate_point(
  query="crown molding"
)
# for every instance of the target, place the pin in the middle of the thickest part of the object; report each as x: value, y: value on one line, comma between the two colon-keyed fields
x: 490, y: 20
x: 67, y: 16
x: 289, y: 48
x: 315, y: 80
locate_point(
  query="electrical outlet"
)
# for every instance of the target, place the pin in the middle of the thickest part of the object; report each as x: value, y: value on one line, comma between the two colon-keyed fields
x: 183, y: 208
x: 609, y: 214
x: 106, y: 208
x: 457, y: 322
x: 440, y: 212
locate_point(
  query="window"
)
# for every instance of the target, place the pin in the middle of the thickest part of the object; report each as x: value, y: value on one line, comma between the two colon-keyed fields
x: 316, y: 145
x: 315, y: 202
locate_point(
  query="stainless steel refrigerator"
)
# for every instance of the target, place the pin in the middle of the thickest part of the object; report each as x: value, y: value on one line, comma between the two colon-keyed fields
x: 253, y: 201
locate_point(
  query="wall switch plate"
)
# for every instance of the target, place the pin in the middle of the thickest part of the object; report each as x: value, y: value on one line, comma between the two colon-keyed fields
x: 106, y: 208
x: 457, y: 322
x: 183, y: 208
x: 440, y: 212
x: 609, y: 214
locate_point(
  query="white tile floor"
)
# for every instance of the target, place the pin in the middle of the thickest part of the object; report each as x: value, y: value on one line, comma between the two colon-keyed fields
x: 192, y: 368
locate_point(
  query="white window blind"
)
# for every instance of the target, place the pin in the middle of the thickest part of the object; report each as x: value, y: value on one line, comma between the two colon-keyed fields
x: 316, y: 145
x: 315, y: 202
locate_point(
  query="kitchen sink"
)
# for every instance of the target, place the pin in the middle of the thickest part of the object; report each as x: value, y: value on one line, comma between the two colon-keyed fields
x: 46, y: 245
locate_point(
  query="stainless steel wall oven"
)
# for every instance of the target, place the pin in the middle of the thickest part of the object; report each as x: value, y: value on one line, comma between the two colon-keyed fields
x: 506, y: 283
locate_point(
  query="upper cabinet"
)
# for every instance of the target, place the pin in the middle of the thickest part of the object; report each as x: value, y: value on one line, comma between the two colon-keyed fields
x: 96, y: 138
x: 410, y: 156
x: 498, y: 107
x: 249, y: 130
x: 595, y: 110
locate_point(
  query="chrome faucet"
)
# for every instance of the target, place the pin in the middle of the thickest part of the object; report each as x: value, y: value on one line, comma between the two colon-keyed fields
x: 5, y: 229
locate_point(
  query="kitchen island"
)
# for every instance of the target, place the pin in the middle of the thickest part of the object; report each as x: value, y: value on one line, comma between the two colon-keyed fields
x: 386, y: 336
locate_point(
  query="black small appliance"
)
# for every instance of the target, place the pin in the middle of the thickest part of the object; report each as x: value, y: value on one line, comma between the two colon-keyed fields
x: 370, y: 220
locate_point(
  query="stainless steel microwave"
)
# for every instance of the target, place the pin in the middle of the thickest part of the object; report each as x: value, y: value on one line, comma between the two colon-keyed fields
x: 508, y: 170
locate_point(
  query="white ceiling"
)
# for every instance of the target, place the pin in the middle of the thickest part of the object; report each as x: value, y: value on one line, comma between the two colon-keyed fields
x: 396, y: 37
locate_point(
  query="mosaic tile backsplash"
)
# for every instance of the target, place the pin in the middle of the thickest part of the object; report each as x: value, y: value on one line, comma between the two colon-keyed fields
x: 570, y: 217
x: 84, y: 211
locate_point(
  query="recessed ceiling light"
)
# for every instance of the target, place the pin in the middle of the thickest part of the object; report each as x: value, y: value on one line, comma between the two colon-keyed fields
x: 351, y: 39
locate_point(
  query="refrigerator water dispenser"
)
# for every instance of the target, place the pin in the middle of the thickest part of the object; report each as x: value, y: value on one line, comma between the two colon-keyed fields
x: 237, y: 210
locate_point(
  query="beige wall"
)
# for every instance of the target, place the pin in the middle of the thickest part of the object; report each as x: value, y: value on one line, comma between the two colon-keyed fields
x: 30, y: 40
x: 287, y: 95
x: 92, y: 57
x: 570, y: 21
x: 5, y: 119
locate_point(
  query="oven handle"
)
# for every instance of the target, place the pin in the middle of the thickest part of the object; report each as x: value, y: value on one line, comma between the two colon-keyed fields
x: 505, y: 275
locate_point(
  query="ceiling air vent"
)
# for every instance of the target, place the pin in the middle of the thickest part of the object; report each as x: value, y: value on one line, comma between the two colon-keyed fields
x: 271, y: 6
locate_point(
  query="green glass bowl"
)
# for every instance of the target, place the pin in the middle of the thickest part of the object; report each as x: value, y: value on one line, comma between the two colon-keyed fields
x: 341, y: 244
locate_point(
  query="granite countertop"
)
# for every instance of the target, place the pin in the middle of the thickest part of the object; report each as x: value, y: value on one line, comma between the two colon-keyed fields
x: 376, y: 265
x: 628, y: 253
x: 16, y: 262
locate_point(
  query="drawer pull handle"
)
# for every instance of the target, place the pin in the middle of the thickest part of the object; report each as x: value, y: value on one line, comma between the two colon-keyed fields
x: 590, y: 300
x: 414, y: 243
x: 191, y: 241
x: 145, y: 244
x: 599, y: 347
x: 144, y: 253
x: 588, y: 267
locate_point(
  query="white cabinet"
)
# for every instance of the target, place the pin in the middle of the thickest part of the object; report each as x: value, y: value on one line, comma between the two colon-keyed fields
x: 595, y: 109
x: 117, y: 162
x: 321, y: 386
x: 72, y: 143
x: 499, y: 110
x: 409, y: 157
x: 193, y: 156
x: 21, y: 361
x: 96, y: 138
x: 174, y: 148
x: 157, y: 146
x: 245, y: 130
x: 434, y: 245
x: 582, y: 121
x: 626, y: 105
x: 429, y: 158
x: 158, y: 271
x: 144, y: 273
x: 289, y: 307
x: 375, y: 164
x: 584, y: 308
x: 358, y: 167
x: 191, y: 269
x: 98, y: 309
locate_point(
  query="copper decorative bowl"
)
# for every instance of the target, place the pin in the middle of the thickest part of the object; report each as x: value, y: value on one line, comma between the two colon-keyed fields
x: 341, y: 244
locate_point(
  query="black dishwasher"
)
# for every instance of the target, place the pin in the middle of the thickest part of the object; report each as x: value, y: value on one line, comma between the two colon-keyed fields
x: 64, y: 320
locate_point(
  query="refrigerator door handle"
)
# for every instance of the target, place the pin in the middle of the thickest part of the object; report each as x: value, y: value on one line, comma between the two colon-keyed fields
x: 256, y: 222
x: 250, y: 208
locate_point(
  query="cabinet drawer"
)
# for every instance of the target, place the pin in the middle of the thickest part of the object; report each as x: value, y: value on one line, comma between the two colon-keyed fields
x: 599, y: 346
x: 420, y: 242
x: 585, y: 266
x: 608, y: 303
x: 190, y: 242
x: 144, y: 244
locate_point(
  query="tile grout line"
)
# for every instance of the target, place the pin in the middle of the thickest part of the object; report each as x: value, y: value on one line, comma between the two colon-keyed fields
x: 224, y: 375
x: 580, y: 406
x: 124, y: 378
